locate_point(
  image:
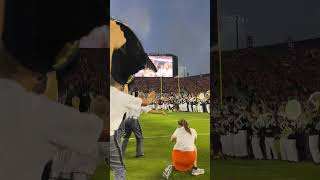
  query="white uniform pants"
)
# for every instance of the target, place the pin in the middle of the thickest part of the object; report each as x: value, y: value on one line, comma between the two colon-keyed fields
x: 314, y: 148
x: 236, y: 145
x: 243, y: 143
x: 270, y: 148
x: 255, y: 142
x: 292, y: 151
x: 230, y: 145
x: 283, y: 148
x: 223, y: 144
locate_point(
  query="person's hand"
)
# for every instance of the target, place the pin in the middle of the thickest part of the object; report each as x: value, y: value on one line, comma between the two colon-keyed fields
x: 151, y: 96
x: 52, y: 86
x: 126, y: 88
x: 117, y: 38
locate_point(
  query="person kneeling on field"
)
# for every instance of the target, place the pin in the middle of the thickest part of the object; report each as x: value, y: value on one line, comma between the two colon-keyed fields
x: 184, y: 153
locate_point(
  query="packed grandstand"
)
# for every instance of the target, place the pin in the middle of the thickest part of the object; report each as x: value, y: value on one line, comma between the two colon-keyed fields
x: 257, y: 83
x: 169, y: 97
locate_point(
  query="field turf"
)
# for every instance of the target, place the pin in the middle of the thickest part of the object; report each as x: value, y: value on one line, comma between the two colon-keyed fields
x: 264, y: 170
x: 157, y: 130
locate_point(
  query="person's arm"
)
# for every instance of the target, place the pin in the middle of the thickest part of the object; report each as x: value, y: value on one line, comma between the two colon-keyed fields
x: 157, y: 112
x: 149, y: 99
x: 196, y: 136
x: 174, y: 136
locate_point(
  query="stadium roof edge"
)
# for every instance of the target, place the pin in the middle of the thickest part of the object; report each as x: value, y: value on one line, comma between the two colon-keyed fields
x: 298, y: 42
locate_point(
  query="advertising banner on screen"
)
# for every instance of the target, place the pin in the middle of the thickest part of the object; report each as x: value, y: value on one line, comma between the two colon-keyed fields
x: 164, y: 65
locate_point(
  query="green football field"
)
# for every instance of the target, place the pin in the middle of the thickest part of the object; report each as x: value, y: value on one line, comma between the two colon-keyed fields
x: 157, y: 130
x: 264, y: 170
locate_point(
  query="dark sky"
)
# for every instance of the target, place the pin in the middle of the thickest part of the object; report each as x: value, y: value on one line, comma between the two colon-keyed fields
x: 269, y: 21
x: 180, y: 27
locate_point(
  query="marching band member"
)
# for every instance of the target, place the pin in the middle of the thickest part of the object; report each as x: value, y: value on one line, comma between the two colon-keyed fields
x: 269, y: 138
x: 255, y: 140
x: 283, y: 136
x: 292, y: 142
x: 313, y: 107
x: 293, y: 112
x: 313, y: 132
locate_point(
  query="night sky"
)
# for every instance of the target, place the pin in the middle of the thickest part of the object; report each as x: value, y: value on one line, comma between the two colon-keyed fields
x: 180, y: 27
x: 270, y: 21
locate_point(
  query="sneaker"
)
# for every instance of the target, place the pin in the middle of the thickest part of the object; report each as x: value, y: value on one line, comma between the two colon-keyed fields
x: 167, y: 172
x: 197, y: 171
x: 138, y: 156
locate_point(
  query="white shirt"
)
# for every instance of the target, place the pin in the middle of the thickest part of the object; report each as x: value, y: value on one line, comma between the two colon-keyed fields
x: 184, y: 140
x: 33, y: 127
x: 121, y: 103
x: 135, y: 113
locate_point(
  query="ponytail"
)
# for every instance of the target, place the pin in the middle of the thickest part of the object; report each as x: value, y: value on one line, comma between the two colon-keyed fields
x: 184, y: 123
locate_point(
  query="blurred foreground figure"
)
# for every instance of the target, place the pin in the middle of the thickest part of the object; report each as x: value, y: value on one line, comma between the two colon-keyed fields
x: 127, y: 57
x: 43, y: 41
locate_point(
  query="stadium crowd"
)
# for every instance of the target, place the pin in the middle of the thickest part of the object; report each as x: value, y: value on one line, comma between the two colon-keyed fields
x: 190, y: 85
x: 86, y: 77
x: 257, y: 85
x: 194, y: 95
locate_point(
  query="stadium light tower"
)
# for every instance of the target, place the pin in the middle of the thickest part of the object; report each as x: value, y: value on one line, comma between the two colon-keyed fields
x: 237, y: 31
x: 182, y: 71
x: 236, y: 19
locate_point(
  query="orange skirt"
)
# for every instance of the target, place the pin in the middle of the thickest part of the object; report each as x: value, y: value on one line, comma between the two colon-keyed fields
x: 183, y: 160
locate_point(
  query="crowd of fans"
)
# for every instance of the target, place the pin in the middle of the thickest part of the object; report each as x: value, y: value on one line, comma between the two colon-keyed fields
x: 257, y: 83
x: 85, y: 77
x: 189, y: 85
x: 88, y: 77
x: 271, y: 73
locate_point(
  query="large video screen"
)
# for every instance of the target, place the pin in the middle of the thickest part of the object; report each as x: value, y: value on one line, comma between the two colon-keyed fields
x: 164, y: 65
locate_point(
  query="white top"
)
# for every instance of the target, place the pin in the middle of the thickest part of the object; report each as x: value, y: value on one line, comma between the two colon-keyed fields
x: 184, y: 140
x: 33, y: 127
x: 135, y: 113
x: 97, y: 38
x: 121, y: 103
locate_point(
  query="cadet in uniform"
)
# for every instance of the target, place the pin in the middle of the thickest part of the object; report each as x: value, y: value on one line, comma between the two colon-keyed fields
x: 255, y: 141
x: 269, y: 138
x: 132, y: 125
x: 314, y: 140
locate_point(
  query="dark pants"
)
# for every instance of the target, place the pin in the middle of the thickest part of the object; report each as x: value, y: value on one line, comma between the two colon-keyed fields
x: 217, y: 149
x: 132, y: 125
x: 302, y: 152
x: 116, y: 159
x: 46, y: 171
